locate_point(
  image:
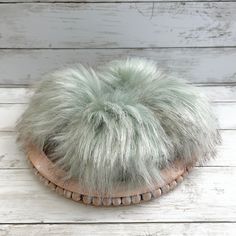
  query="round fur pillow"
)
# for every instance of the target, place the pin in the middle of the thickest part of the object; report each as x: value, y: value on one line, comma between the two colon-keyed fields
x: 119, y: 126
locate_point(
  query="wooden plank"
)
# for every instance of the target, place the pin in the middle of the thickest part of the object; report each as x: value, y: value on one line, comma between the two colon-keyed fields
x: 197, y: 65
x: 225, y: 112
x: 171, y: 229
x: 224, y: 93
x: 9, y: 113
x: 207, y: 194
x: 101, y: 1
x: 220, y: 93
x: 16, y: 95
x: 10, y: 154
x: 111, y: 25
x: 12, y: 157
x: 226, y: 151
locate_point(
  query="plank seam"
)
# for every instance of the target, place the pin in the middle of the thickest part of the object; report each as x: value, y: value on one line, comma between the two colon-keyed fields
x: 154, y: 1
x: 120, y: 222
x: 119, y: 48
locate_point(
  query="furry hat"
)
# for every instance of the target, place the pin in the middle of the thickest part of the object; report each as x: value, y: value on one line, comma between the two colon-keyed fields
x: 119, y: 126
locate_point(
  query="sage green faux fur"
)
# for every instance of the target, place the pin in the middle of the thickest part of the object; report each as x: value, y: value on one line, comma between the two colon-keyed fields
x: 118, y: 126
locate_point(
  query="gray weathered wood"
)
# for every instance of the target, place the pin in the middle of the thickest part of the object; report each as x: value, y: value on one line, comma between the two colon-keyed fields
x: 102, y: 1
x: 9, y: 113
x: 225, y: 93
x: 12, y: 157
x: 16, y: 95
x: 111, y: 25
x: 219, y: 93
x: 131, y: 229
x: 207, y: 194
x: 197, y: 65
x: 225, y: 112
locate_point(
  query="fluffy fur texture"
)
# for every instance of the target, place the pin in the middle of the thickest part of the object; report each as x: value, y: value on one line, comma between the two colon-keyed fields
x: 118, y: 126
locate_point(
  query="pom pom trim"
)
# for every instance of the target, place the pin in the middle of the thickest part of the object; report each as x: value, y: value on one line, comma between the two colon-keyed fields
x: 54, y: 178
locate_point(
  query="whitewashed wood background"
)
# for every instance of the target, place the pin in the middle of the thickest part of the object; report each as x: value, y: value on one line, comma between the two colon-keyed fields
x: 191, y: 39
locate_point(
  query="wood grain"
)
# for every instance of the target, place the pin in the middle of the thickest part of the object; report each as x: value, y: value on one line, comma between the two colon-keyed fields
x: 191, y: 201
x: 197, y: 65
x: 9, y: 114
x: 101, y: 1
x: 17, y: 95
x: 11, y: 157
x: 93, y: 33
x: 111, y: 25
x: 131, y: 229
